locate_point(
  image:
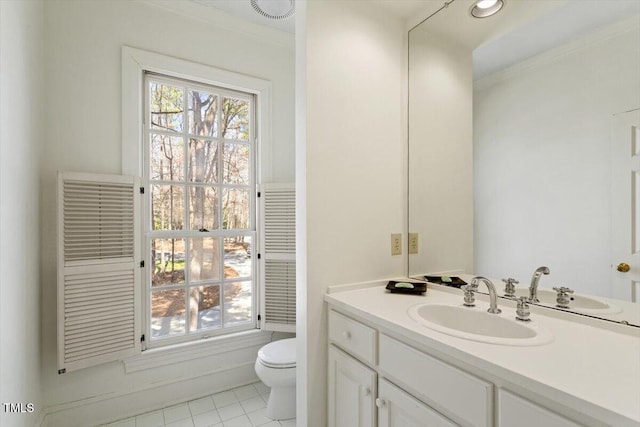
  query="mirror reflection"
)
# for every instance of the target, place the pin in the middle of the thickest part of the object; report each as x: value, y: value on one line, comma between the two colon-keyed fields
x: 524, y: 150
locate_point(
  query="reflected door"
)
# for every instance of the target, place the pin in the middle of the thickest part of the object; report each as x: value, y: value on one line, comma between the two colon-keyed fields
x: 625, y: 215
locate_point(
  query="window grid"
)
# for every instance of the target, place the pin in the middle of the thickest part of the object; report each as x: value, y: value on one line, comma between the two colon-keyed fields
x: 184, y: 132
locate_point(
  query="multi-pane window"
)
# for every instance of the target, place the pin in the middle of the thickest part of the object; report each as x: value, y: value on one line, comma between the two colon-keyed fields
x: 200, y: 217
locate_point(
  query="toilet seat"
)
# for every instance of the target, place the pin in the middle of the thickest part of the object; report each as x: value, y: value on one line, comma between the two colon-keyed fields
x: 279, y: 354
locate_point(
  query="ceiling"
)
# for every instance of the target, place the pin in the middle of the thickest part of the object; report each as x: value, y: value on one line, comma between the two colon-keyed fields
x: 569, y: 20
x: 243, y: 9
x: 403, y: 9
x: 522, y: 29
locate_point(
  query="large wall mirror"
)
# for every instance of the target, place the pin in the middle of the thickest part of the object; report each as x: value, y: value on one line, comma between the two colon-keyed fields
x: 524, y: 148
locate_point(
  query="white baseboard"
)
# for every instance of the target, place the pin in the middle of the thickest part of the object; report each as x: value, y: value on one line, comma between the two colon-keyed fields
x: 173, y: 391
x: 41, y: 420
x: 214, y: 366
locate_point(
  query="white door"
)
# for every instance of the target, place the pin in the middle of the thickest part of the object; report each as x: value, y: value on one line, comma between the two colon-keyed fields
x: 396, y: 408
x: 352, y: 390
x: 625, y: 206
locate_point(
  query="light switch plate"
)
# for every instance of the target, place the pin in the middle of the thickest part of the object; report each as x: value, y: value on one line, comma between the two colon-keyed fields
x: 396, y: 244
x: 413, y: 243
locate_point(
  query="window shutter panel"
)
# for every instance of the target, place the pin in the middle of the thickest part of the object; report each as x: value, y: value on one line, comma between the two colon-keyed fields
x: 278, y: 256
x: 98, y: 276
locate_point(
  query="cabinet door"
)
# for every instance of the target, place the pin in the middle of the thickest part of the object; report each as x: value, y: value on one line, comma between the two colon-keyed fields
x: 516, y: 411
x: 396, y: 408
x: 352, y: 390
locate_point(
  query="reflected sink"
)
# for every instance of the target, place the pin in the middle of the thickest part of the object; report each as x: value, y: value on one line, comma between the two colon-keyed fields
x: 476, y: 324
x: 579, y: 303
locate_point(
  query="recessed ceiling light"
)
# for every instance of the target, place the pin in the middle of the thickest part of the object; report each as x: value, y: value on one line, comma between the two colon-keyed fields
x: 485, y: 8
x: 274, y: 9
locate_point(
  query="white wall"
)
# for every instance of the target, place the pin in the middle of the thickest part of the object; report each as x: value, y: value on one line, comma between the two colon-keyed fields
x: 83, y: 126
x: 354, y: 71
x: 21, y: 132
x: 542, y: 160
x: 440, y: 153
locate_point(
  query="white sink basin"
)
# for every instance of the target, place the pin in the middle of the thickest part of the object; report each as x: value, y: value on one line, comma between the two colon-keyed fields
x: 476, y: 324
x: 579, y: 303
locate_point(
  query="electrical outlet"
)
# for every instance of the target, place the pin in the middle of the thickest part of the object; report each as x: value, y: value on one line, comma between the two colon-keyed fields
x: 396, y: 244
x: 413, y: 243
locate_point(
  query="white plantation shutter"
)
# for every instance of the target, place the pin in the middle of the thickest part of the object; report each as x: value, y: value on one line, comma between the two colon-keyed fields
x: 278, y: 256
x: 98, y: 275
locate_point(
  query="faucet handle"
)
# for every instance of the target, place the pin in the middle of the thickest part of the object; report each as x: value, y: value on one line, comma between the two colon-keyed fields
x: 509, y: 287
x: 469, y: 297
x: 522, y: 310
x: 563, y: 299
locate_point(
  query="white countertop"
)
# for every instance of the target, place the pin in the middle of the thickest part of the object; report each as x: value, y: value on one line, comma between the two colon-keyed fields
x: 591, y: 367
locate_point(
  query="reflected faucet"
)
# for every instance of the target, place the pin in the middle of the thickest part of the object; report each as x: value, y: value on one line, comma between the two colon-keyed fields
x: 533, y: 288
x: 493, y: 295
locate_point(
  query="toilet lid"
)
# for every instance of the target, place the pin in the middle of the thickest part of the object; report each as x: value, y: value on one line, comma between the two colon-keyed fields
x: 280, y: 354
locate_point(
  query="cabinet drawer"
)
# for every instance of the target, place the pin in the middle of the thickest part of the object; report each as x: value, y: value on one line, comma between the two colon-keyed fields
x: 514, y: 410
x: 460, y: 396
x: 352, y: 336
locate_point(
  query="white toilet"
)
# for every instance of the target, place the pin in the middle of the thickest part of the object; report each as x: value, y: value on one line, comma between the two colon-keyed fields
x: 276, y: 368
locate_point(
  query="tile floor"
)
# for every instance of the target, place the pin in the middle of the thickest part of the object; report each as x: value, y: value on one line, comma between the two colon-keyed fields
x: 241, y: 407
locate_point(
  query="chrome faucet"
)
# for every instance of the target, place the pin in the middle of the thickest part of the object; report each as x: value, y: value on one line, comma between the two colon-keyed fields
x: 533, y: 288
x: 493, y: 295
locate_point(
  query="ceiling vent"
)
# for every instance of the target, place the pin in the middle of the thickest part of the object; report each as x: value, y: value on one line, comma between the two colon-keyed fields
x: 274, y: 9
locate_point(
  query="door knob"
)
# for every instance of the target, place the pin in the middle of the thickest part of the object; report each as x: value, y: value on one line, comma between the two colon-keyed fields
x: 623, y: 267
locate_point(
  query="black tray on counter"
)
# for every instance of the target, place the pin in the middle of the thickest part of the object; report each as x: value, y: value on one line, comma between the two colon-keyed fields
x: 455, y: 282
x: 418, y: 288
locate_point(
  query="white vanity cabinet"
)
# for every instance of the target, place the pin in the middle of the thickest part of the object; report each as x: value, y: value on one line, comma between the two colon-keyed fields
x: 420, y: 377
x: 352, y: 336
x: 397, y: 408
x: 352, y: 391
x: 463, y: 397
x: 378, y: 380
x: 352, y: 385
x: 514, y: 410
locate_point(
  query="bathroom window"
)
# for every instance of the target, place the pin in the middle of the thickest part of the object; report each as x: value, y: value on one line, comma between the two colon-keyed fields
x: 200, y: 227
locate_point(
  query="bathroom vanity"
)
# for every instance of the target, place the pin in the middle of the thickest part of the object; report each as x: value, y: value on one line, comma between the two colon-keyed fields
x: 387, y: 368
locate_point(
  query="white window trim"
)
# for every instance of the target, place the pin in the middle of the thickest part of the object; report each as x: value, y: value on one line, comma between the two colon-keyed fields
x: 178, y: 353
x: 135, y: 63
